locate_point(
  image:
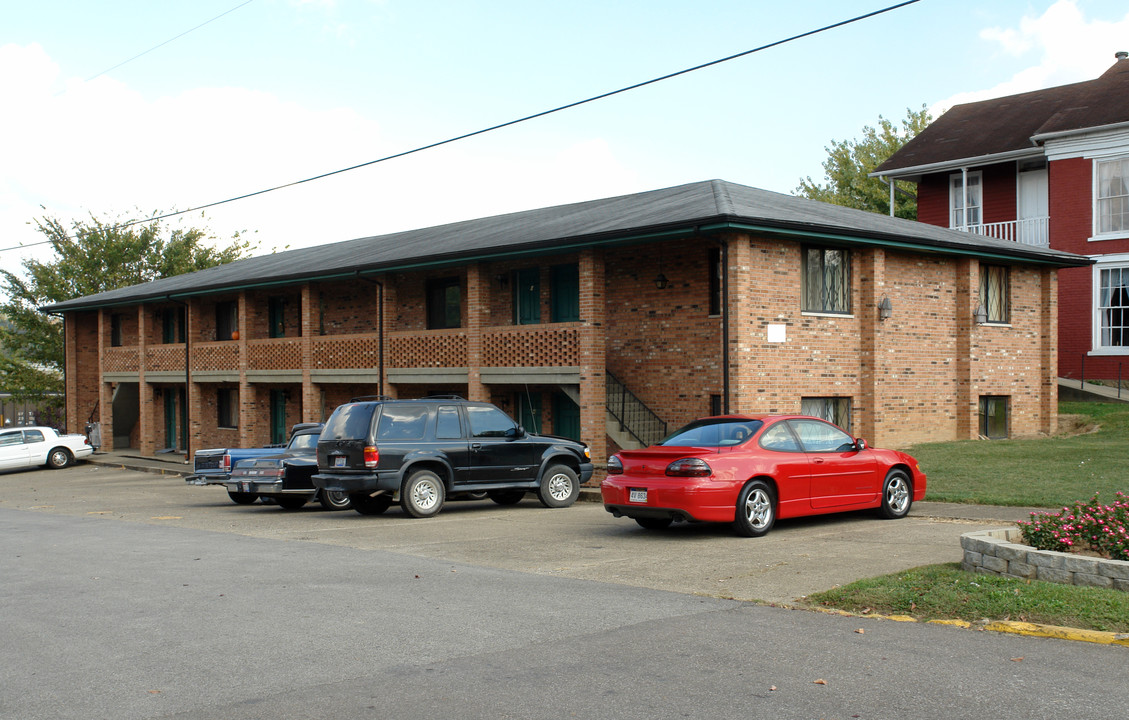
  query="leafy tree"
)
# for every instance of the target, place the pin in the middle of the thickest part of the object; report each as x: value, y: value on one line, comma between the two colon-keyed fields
x: 849, y: 162
x: 91, y: 257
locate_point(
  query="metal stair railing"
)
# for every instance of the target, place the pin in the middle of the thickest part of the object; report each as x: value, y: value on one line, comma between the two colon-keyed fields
x: 632, y: 414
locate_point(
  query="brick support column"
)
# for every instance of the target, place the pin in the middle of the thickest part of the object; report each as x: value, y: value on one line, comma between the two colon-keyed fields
x: 1048, y: 327
x: 738, y: 309
x: 967, y: 385
x: 478, y: 309
x: 70, y: 369
x: 593, y: 355
x: 193, y: 392
x: 249, y: 419
x: 105, y: 390
x: 868, y: 410
x: 311, y: 396
x: 147, y: 410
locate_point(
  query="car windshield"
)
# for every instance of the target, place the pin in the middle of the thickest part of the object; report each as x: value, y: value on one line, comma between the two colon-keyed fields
x: 350, y: 422
x: 713, y: 432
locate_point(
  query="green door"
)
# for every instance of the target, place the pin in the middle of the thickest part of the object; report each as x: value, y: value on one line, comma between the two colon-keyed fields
x: 176, y: 420
x: 277, y: 417
x: 529, y: 411
x: 566, y: 417
x: 527, y: 296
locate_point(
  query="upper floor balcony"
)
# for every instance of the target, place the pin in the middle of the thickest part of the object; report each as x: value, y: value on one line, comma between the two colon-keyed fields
x: 1030, y: 231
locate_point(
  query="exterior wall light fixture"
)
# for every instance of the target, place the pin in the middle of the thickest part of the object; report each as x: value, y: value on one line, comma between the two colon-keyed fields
x: 885, y: 308
x: 660, y: 281
x: 981, y: 314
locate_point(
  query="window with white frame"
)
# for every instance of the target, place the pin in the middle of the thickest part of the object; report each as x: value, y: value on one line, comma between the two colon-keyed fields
x: 1112, y: 212
x: 832, y: 409
x: 1112, y: 307
x: 965, y: 199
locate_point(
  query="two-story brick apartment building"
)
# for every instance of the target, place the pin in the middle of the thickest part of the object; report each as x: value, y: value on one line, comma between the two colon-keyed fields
x: 1048, y: 168
x: 605, y: 320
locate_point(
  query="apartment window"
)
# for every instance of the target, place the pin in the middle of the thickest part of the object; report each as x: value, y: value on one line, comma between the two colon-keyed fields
x: 994, y: 293
x: 965, y: 200
x: 227, y: 413
x: 1112, y: 212
x: 444, y: 303
x: 564, y: 293
x: 832, y: 409
x: 1113, y: 306
x: 527, y: 296
x: 994, y: 416
x: 826, y: 280
x: 276, y: 317
x: 227, y: 320
x: 172, y: 325
x: 116, y: 330
x: 715, y: 281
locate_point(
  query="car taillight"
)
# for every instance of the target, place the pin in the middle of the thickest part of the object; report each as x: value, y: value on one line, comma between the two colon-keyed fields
x: 226, y: 465
x: 689, y: 467
x: 615, y: 465
x: 372, y: 457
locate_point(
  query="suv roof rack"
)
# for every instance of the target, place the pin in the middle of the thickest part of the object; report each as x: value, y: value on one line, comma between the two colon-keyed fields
x: 363, y: 398
x: 443, y: 397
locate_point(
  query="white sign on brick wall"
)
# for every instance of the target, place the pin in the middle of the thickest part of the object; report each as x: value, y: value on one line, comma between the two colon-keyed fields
x: 777, y: 333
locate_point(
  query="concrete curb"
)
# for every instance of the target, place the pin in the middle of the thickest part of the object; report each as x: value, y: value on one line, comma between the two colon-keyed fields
x: 1000, y: 626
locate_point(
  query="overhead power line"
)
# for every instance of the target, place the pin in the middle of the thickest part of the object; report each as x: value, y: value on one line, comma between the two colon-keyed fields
x: 510, y: 123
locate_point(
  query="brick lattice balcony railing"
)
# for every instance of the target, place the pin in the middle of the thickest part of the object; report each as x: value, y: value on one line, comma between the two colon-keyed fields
x: 122, y: 359
x: 531, y: 346
x: 215, y: 356
x: 434, y: 348
x: 274, y: 354
x: 164, y: 358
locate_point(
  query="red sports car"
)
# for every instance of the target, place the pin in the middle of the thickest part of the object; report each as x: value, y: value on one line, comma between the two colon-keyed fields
x: 751, y: 469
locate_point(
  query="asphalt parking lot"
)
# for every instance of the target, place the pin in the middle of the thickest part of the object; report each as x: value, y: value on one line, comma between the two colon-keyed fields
x: 581, y: 542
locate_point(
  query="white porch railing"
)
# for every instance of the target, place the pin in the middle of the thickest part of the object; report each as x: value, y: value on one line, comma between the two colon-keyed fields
x: 1032, y: 231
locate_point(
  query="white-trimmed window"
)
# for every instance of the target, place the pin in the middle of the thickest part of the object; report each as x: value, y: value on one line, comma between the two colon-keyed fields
x: 965, y: 200
x: 1111, y: 307
x: 1111, y: 212
x: 832, y: 409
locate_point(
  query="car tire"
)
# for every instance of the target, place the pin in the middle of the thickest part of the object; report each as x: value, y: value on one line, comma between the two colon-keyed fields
x: 897, y: 495
x: 559, y: 487
x: 756, y: 510
x: 371, y: 504
x: 59, y: 458
x: 242, y: 498
x: 334, y: 500
x: 654, y: 523
x: 291, y: 502
x: 506, y: 497
x: 422, y: 494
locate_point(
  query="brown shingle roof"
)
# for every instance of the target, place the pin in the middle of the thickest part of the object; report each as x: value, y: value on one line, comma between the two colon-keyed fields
x: 1016, y: 122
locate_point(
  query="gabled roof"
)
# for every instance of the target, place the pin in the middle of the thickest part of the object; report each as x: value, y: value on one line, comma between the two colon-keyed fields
x: 1014, y: 126
x: 702, y: 207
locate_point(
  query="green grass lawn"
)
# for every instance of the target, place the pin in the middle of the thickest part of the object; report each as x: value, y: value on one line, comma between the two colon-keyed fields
x: 1040, y: 472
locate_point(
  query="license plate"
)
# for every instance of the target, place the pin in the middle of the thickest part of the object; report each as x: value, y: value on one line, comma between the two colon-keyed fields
x: 339, y: 461
x: 246, y: 486
x: 639, y: 496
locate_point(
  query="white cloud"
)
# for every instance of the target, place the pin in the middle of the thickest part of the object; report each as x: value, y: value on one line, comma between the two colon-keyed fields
x: 1066, y: 47
x: 102, y: 148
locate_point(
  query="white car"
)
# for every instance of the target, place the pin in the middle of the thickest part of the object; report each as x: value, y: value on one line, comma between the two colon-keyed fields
x: 33, y: 446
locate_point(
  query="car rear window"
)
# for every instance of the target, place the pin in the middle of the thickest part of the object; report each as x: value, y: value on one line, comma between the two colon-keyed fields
x: 712, y: 432
x: 350, y: 422
x: 402, y: 422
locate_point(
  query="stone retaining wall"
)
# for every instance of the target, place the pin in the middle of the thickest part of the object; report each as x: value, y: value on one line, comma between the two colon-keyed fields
x: 998, y: 552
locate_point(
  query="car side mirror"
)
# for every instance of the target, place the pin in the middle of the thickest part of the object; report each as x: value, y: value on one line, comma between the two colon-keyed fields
x: 516, y: 432
x: 860, y: 444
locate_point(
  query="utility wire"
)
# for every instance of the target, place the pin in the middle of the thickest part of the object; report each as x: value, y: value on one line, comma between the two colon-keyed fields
x: 492, y: 128
x: 166, y: 42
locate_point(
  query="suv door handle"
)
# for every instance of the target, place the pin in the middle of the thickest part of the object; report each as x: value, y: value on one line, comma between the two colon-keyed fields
x: 476, y: 446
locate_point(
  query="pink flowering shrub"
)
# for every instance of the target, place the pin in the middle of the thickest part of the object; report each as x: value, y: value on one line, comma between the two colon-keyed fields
x: 1083, y: 527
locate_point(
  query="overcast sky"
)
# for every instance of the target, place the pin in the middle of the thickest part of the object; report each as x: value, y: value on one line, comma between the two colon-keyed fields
x: 275, y: 91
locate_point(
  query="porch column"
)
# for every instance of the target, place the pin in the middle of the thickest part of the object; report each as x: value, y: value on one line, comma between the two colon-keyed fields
x: 477, y: 308
x: 193, y: 392
x: 105, y: 389
x: 249, y: 420
x: 967, y: 385
x: 71, y: 417
x: 147, y: 406
x: 593, y: 356
x: 311, y: 399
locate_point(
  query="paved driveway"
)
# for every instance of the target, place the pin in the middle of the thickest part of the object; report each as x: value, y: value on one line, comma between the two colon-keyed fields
x: 584, y: 542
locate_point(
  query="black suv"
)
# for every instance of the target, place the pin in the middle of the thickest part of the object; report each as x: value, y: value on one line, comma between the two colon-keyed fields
x: 428, y: 449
